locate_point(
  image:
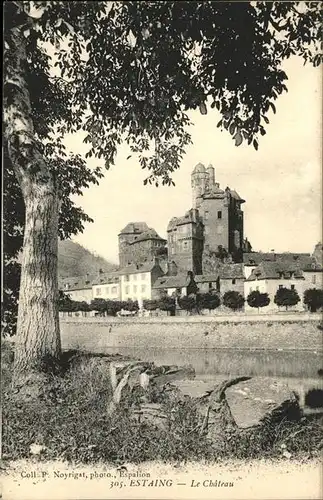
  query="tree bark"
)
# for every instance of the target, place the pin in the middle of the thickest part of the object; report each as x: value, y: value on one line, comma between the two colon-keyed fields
x: 38, y: 324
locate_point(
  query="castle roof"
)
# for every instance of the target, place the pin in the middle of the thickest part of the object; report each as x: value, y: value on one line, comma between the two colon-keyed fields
x: 188, y: 218
x: 150, y: 234
x: 276, y: 270
x: 134, y: 227
x: 76, y: 283
x: 206, y: 278
x: 199, y: 168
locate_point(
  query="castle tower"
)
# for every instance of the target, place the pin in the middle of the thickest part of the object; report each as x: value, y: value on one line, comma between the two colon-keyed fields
x: 211, y: 173
x: 199, y: 183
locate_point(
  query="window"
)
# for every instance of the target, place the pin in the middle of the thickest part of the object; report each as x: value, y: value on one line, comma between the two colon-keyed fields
x: 185, y: 244
x: 134, y: 288
x: 135, y: 277
x: 107, y: 290
x: 292, y: 287
x: 98, y: 291
x: 257, y: 288
x: 280, y: 287
x: 206, y: 215
x: 114, y: 289
x: 210, y: 286
x: 143, y: 288
x: 126, y: 278
x: 233, y: 281
x: 127, y: 290
x: 143, y: 276
x: 314, y: 279
x: 219, y: 214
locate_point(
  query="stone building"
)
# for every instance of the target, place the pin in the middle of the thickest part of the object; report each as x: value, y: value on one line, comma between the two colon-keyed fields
x: 139, y: 243
x: 221, y: 214
x: 185, y: 241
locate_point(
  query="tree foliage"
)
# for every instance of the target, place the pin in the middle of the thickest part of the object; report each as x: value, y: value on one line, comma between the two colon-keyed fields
x: 313, y: 298
x: 188, y: 303
x: 233, y: 299
x: 258, y: 299
x: 209, y: 301
x: 286, y: 297
x: 131, y: 71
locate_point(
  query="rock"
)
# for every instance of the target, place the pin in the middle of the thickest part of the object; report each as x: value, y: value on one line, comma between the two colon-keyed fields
x: 259, y: 400
x: 173, y: 374
x: 153, y: 414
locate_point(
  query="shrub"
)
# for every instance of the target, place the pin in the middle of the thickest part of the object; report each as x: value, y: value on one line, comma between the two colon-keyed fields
x: 188, y: 303
x: 130, y: 305
x: 99, y: 305
x: 150, y: 305
x: 313, y: 298
x: 167, y: 303
x: 258, y: 299
x: 209, y: 301
x: 286, y: 297
x: 234, y: 300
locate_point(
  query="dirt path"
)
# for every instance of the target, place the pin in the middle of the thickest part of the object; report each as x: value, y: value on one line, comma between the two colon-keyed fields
x: 230, y: 480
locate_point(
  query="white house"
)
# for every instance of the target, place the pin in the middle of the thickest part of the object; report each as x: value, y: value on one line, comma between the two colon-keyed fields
x: 78, y: 288
x: 107, y: 286
x: 136, y: 280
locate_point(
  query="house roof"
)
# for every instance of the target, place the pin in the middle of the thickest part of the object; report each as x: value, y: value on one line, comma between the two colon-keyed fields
x: 145, y: 267
x: 206, y: 278
x: 276, y: 270
x: 106, y: 278
x: 76, y: 283
x: 178, y: 281
x: 255, y: 258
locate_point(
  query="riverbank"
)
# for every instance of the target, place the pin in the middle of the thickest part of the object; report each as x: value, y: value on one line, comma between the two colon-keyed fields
x: 234, y: 479
x: 191, y: 332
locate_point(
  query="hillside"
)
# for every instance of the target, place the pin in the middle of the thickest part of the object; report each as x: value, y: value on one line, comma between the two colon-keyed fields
x: 75, y: 260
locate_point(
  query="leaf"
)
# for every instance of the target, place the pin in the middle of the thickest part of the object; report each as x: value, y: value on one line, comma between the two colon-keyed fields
x: 238, y: 138
x: 129, y: 157
x: 273, y: 107
x: 232, y: 128
x: 203, y: 109
x: 255, y: 144
x: 219, y: 124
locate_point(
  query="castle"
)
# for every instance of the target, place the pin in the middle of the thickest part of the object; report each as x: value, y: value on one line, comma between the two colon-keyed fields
x: 210, y: 232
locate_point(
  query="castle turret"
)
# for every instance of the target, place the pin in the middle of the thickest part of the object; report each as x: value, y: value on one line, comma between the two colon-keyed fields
x: 211, y: 173
x: 199, y: 183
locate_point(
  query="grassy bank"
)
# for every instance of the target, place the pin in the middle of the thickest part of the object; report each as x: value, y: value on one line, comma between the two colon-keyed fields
x: 69, y: 422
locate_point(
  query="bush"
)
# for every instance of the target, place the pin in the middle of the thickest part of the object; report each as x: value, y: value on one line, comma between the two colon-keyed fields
x: 188, y: 303
x: 208, y: 301
x: 167, y: 303
x: 313, y: 298
x: 258, y: 299
x: 234, y: 300
x: 150, y: 305
x: 130, y: 305
x: 286, y: 297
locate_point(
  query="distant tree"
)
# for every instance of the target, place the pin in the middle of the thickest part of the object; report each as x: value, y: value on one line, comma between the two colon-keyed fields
x: 130, y: 305
x: 313, y: 298
x: 99, y: 305
x: 64, y: 302
x: 167, y: 303
x: 258, y: 299
x: 286, y: 297
x: 150, y: 305
x: 233, y: 299
x: 188, y: 303
x: 112, y: 307
x: 209, y: 301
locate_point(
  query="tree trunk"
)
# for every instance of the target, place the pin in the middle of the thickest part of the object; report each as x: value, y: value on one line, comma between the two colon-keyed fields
x: 38, y: 324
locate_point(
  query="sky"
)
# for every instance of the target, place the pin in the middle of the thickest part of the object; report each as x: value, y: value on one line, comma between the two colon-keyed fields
x: 281, y: 182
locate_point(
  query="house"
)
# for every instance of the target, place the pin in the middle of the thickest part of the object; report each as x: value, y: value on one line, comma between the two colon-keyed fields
x: 183, y: 284
x: 252, y: 259
x: 268, y: 277
x: 208, y: 282
x: 137, y: 280
x: 313, y: 275
x: 106, y: 286
x: 78, y: 288
x: 232, y: 278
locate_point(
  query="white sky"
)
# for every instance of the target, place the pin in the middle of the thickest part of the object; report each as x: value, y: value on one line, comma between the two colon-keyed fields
x: 281, y: 182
